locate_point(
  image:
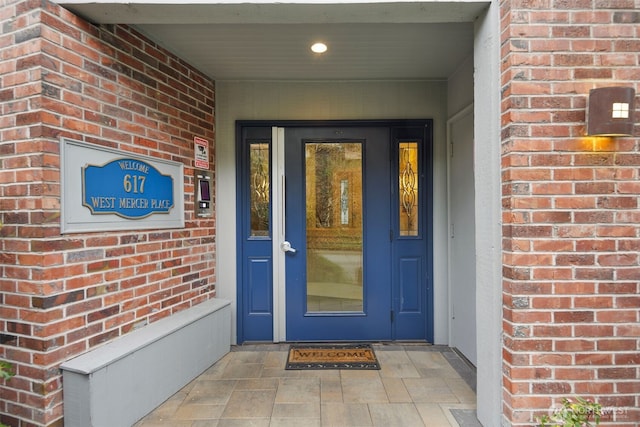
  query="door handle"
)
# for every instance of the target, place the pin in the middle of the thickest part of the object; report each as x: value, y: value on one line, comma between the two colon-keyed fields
x: 286, y: 247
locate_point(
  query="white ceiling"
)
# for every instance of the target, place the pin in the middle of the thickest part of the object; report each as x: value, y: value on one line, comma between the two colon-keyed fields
x: 401, y: 40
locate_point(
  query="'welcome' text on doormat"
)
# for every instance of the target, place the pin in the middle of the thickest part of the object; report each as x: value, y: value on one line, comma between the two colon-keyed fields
x: 332, y: 356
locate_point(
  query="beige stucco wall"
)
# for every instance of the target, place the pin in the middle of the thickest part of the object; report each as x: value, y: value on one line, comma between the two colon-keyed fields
x: 326, y: 101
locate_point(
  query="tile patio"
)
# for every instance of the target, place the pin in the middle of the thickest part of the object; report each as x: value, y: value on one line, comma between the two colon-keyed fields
x: 418, y: 385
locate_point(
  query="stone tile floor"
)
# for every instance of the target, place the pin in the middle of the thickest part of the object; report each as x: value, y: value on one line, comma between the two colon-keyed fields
x: 418, y: 385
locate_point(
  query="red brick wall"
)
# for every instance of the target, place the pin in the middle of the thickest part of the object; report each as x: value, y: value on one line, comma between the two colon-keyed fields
x: 570, y: 210
x: 62, y: 295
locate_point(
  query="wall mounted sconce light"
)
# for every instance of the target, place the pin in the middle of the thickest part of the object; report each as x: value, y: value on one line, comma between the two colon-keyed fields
x: 611, y: 111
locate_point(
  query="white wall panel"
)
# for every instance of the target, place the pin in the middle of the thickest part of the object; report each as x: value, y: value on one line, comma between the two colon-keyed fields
x: 488, y: 218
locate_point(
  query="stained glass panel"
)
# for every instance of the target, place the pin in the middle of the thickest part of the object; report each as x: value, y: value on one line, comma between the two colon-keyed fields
x: 408, y: 191
x: 259, y: 188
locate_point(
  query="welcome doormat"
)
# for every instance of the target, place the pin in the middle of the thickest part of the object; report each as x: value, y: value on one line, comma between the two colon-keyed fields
x: 331, y: 356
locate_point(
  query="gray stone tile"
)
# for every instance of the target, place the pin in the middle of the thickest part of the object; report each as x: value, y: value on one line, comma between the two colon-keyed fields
x: 429, y: 390
x: 245, y: 422
x: 364, y: 374
x: 393, y: 357
x: 257, y: 384
x: 428, y: 360
x: 297, y: 422
x: 346, y: 414
x: 213, y: 392
x: 165, y: 423
x: 279, y: 373
x: 250, y: 404
x: 399, y: 370
x: 447, y: 372
x: 244, y: 370
x: 215, y: 371
x: 198, y: 412
x: 241, y: 357
x: 277, y: 360
x: 461, y: 389
x: 433, y: 415
x: 395, y: 415
x: 396, y: 390
x: 205, y: 423
x: 298, y: 390
x: 363, y: 390
x: 466, y: 417
x: 463, y: 367
x: 330, y: 390
x: 388, y: 347
x: 296, y: 410
x: 283, y: 373
x: 433, y: 365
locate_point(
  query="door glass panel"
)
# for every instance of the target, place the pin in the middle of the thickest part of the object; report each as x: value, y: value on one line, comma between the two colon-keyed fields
x: 259, y: 186
x: 334, y: 226
x: 408, y: 179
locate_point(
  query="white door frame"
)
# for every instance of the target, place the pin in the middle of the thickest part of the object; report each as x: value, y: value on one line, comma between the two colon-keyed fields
x: 278, y: 221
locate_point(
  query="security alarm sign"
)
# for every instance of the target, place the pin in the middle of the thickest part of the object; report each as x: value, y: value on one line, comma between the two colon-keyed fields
x: 201, y: 153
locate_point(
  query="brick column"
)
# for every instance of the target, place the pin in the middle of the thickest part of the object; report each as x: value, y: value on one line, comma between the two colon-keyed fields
x: 570, y: 211
x: 64, y: 294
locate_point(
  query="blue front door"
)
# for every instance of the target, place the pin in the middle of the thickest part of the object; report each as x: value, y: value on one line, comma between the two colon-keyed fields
x: 337, y: 281
x: 357, y: 234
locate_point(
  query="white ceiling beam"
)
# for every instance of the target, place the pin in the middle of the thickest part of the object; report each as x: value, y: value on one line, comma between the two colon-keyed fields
x: 237, y: 12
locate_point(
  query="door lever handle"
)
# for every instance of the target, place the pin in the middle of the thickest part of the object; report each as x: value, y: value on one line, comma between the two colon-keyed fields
x: 286, y: 247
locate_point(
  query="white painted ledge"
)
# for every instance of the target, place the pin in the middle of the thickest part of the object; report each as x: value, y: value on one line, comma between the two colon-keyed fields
x: 120, y: 382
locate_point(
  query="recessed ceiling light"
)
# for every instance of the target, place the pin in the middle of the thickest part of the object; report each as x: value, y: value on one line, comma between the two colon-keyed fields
x: 319, y: 47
